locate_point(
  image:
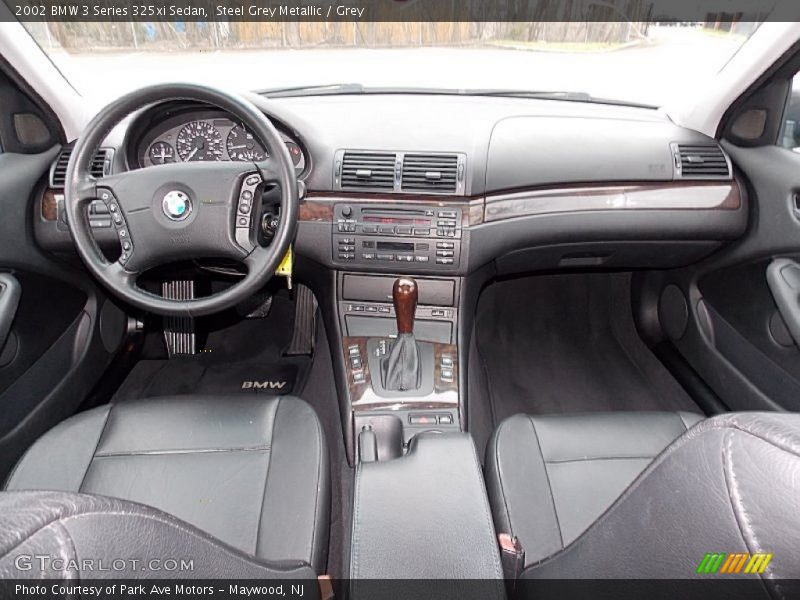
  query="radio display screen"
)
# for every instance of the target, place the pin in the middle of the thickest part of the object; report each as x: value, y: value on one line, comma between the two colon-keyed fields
x: 396, y: 220
x: 396, y: 246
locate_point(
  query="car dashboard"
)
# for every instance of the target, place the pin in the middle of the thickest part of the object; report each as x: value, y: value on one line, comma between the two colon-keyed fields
x: 443, y: 185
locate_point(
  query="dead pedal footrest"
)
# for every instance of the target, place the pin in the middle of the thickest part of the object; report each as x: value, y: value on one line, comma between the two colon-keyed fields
x: 305, y: 311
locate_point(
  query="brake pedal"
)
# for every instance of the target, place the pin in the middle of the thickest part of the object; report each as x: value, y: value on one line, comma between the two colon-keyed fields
x: 179, y: 333
x: 305, y: 315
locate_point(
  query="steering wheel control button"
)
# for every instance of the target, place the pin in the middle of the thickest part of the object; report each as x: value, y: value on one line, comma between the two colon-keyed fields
x: 177, y: 205
x: 247, y: 195
x: 112, y: 209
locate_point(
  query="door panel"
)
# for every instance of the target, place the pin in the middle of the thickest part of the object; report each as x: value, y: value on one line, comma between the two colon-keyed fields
x: 53, y: 354
x: 736, y: 338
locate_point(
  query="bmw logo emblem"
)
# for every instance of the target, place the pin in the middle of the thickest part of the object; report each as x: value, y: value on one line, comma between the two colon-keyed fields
x: 176, y: 205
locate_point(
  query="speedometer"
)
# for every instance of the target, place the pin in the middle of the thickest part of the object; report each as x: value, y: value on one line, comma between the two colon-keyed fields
x: 199, y: 140
x: 242, y: 145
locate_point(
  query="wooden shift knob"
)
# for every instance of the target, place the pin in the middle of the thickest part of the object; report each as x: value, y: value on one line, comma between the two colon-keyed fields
x: 404, y: 296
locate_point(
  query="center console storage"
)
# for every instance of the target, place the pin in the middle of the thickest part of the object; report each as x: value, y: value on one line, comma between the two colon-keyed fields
x: 425, y: 515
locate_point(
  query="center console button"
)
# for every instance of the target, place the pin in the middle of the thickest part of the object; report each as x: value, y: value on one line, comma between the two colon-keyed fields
x: 404, y: 231
x: 388, y: 229
x: 422, y: 231
x: 422, y: 419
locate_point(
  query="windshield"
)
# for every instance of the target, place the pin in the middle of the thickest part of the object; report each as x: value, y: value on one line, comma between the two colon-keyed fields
x: 644, y: 63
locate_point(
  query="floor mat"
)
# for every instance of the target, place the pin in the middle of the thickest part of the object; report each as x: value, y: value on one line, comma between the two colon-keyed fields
x: 239, y: 356
x: 568, y: 343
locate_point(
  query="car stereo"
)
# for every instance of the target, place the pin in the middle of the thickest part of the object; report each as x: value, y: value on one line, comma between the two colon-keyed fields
x: 429, y: 236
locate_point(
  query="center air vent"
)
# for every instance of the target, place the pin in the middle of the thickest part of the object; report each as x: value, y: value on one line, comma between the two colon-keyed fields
x: 400, y: 172
x: 367, y: 171
x: 706, y: 161
x: 437, y: 173
x: 101, y: 165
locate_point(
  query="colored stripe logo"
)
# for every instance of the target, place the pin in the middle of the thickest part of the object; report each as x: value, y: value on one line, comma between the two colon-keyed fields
x: 742, y: 562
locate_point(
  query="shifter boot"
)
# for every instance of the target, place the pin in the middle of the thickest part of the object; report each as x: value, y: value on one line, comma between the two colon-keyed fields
x: 401, y: 368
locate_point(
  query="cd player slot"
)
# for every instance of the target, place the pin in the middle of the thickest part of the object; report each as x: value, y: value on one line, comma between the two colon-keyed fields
x: 400, y: 211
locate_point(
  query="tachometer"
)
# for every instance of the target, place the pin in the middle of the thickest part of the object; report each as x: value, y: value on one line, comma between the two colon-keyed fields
x: 242, y: 145
x: 199, y: 140
x: 161, y: 153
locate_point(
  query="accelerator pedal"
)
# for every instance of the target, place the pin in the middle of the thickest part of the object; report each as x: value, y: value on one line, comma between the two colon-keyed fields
x: 305, y: 321
x: 179, y: 333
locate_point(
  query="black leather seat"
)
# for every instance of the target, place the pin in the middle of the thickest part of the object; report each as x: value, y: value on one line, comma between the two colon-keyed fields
x: 615, y: 495
x: 251, y: 471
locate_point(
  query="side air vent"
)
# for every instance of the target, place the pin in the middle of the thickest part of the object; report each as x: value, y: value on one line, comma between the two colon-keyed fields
x: 366, y: 170
x: 706, y: 161
x: 101, y: 165
x: 436, y: 173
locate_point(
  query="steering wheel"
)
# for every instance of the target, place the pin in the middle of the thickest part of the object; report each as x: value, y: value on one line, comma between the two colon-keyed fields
x: 180, y: 211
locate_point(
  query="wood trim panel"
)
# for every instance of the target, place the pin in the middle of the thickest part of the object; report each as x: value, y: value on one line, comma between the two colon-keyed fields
x: 363, y: 398
x: 677, y: 195
x: 318, y: 206
x: 681, y: 195
x: 318, y: 211
x: 49, y: 206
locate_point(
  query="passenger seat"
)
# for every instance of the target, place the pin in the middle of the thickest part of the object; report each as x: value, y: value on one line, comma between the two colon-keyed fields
x: 609, y: 495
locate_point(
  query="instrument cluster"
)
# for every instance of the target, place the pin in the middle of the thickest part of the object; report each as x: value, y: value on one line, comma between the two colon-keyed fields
x: 206, y: 138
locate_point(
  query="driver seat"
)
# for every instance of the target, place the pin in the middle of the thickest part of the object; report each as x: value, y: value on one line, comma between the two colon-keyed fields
x: 251, y: 471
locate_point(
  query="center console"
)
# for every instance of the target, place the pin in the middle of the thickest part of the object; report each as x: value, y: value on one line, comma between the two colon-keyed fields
x: 425, y: 516
x: 376, y: 243
x: 401, y: 356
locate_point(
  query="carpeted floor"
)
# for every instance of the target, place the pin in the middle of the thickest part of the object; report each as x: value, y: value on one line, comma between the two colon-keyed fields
x: 238, y: 356
x: 567, y: 343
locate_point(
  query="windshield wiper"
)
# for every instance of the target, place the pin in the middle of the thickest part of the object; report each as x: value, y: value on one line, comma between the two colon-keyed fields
x: 546, y: 94
x: 357, y: 88
x: 313, y: 90
x: 555, y: 95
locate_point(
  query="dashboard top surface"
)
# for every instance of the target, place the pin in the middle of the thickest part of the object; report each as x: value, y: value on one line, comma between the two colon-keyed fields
x: 509, y: 142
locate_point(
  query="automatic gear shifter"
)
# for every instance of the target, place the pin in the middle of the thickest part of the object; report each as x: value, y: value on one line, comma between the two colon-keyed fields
x: 400, y: 370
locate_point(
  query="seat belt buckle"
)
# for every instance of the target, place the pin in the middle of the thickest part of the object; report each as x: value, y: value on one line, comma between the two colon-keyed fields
x: 512, y: 557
